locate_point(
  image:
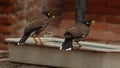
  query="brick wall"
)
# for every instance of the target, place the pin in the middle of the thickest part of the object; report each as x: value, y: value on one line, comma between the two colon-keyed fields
x: 107, y: 15
x: 6, y: 19
x: 14, y: 13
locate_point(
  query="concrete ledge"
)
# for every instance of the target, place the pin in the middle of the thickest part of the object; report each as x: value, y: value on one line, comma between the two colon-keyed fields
x: 91, y: 55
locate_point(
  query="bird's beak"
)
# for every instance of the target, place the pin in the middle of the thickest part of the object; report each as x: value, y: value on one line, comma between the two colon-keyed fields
x: 93, y: 22
x: 53, y: 17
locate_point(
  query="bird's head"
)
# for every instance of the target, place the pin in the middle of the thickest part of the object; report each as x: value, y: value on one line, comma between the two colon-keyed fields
x: 48, y: 14
x: 89, y: 22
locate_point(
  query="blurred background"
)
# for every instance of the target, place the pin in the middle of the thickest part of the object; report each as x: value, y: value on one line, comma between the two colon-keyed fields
x: 106, y: 13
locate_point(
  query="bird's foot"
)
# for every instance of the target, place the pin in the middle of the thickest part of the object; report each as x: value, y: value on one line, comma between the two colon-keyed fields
x: 36, y: 43
x: 79, y: 45
x: 34, y: 38
x: 42, y: 43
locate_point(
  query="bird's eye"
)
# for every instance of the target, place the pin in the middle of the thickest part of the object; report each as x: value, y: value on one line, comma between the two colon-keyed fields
x: 49, y: 14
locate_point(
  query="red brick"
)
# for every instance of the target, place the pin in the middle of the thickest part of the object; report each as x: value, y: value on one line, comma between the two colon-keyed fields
x: 55, y: 3
x: 96, y: 3
x: 113, y: 19
x: 6, y: 29
x: 112, y: 11
x: 56, y: 6
x: 8, y: 6
x: 115, y: 28
x: 100, y: 26
x: 114, y: 38
x: 3, y: 47
x: 98, y: 35
x: 63, y: 26
x: 8, y: 1
x: 57, y: 32
x: 69, y: 5
x: 106, y: 27
x: 96, y: 10
x: 112, y: 3
x: 69, y: 1
x: 6, y: 10
x: 97, y: 18
x: 104, y: 7
x: 7, y: 20
x: 66, y: 23
x: 68, y: 8
x: 106, y: 36
x: 1, y: 38
x: 68, y: 15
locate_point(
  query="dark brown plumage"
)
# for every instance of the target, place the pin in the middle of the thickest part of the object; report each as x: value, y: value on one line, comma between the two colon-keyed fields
x: 77, y: 32
x: 36, y: 26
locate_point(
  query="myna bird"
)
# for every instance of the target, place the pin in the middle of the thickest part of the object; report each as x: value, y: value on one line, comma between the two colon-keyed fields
x: 36, y: 26
x: 77, y: 32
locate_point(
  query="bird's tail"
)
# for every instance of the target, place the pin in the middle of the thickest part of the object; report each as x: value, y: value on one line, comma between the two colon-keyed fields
x: 23, y: 39
x: 67, y: 44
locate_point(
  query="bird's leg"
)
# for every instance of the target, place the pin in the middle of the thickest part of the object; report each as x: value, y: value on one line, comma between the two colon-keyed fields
x: 79, y: 44
x: 41, y: 42
x: 33, y: 36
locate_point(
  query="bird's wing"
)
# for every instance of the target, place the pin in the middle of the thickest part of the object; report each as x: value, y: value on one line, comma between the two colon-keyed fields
x: 77, y: 30
x: 37, y: 24
x: 83, y: 29
x: 71, y: 32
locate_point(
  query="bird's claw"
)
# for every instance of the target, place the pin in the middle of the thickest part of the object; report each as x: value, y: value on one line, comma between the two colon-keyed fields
x: 42, y: 43
x: 36, y: 42
x: 79, y: 45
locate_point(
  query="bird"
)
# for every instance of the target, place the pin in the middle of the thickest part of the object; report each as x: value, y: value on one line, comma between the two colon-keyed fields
x: 76, y: 32
x: 36, y: 26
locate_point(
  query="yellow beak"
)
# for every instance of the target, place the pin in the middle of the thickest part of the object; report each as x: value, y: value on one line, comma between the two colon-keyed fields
x: 93, y: 22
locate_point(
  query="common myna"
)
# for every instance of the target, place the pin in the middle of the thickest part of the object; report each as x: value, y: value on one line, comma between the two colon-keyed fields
x: 36, y: 26
x: 77, y: 32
